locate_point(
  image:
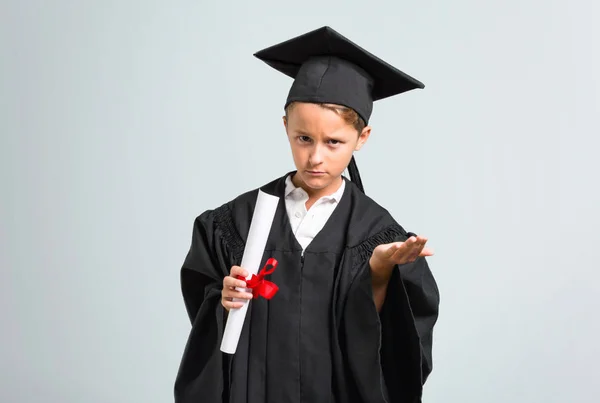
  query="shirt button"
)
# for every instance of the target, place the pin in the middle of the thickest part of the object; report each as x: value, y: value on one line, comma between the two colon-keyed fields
x: 298, y: 215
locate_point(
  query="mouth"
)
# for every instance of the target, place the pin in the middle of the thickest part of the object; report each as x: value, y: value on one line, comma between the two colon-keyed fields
x: 315, y: 173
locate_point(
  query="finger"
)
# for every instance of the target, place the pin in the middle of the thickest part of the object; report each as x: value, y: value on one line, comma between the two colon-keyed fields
x: 426, y: 252
x: 232, y: 304
x: 410, y: 251
x: 421, y: 240
x: 395, y: 247
x: 423, y: 250
x: 411, y: 244
x: 400, y: 251
x: 233, y: 293
x: 419, y: 246
x: 420, y: 243
x: 233, y: 282
x: 238, y: 271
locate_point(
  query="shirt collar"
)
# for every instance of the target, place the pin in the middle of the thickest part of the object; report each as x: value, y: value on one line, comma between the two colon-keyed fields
x: 291, y: 189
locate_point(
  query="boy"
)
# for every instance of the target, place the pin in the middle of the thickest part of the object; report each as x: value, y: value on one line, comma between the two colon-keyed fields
x: 354, y: 315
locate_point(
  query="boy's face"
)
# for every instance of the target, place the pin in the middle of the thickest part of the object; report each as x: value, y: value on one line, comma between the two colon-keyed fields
x: 322, y: 145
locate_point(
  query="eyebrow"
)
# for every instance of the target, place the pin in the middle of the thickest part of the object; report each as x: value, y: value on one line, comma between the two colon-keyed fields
x: 299, y: 131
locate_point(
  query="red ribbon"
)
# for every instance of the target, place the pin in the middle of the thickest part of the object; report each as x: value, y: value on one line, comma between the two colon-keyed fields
x: 258, y: 284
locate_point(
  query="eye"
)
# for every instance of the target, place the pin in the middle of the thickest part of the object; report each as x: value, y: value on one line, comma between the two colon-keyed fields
x: 334, y: 142
x: 304, y: 139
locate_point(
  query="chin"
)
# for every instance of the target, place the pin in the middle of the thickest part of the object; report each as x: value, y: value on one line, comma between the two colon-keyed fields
x: 316, y: 182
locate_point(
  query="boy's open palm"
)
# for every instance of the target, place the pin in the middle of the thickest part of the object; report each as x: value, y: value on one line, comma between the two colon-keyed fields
x: 386, y: 256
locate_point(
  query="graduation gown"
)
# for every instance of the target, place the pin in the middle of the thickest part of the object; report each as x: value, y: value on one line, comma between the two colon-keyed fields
x: 320, y: 338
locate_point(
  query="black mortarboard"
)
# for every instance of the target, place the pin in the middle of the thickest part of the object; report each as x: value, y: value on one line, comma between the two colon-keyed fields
x: 329, y: 68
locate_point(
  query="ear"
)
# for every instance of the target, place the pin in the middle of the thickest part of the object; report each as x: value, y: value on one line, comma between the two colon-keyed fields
x: 285, y: 122
x: 363, y: 137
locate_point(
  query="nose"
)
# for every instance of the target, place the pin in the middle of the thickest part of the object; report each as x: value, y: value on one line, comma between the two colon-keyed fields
x: 316, y: 156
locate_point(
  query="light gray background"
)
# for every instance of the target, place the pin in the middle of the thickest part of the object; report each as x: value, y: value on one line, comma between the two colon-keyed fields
x: 123, y: 120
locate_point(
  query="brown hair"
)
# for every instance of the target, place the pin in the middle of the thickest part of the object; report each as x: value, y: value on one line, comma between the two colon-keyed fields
x: 348, y: 114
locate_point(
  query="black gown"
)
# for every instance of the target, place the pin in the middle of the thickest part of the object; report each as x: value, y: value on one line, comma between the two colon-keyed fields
x: 320, y: 338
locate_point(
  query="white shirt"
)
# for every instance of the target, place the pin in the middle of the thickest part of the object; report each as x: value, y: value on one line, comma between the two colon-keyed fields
x: 307, y: 224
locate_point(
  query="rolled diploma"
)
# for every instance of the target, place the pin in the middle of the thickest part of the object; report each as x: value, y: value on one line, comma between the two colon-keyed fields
x: 260, y: 227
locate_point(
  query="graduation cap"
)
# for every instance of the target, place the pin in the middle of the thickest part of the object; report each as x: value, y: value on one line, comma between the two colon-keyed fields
x: 329, y: 68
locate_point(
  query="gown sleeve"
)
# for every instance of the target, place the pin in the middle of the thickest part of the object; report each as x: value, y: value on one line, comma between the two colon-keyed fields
x: 424, y: 299
x: 202, y: 373
x: 393, y: 348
